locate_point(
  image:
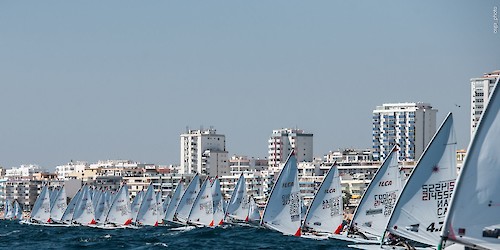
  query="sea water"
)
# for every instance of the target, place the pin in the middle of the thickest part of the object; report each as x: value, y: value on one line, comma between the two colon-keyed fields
x: 16, y: 236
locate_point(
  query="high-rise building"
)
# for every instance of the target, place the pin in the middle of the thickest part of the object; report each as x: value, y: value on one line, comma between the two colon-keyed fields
x: 481, y: 89
x: 283, y: 141
x: 411, y: 125
x: 204, y: 152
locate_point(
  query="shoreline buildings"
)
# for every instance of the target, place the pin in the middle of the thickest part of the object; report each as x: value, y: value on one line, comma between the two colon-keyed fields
x: 409, y: 125
x: 283, y: 141
x: 204, y: 152
x: 481, y: 89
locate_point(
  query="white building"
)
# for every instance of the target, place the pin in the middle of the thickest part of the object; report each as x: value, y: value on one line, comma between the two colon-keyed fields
x: 411, y: 125
x: 283, y: 141
x: 214, y: 163
x: 23, y: 171
x: 63, y: 171
x: 202, y: 151
x: 349, y: 155
x: 481, y: 89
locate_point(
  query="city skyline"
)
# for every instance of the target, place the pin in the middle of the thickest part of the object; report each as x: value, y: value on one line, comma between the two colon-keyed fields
x: 122, y: 80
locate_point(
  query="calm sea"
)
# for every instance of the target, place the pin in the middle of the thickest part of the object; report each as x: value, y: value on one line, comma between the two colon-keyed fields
x: 16, y: 236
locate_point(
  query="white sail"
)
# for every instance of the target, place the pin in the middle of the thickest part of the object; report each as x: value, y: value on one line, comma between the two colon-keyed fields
x: 187, y: 200
x: 253, y: 210
x: 159, y: 207
x: 136, y: 205
x: 58, y: 206
x: 218, y: 203
x: 52, y: 194
x: 473, y: 217
x: 172, y: 206
x: 41, y: 208
x: 101, y: 208
x: 164, y: 205
x: 325, y: 214
x: 282, y: 212
x: 67, y: 217
x: 420, y: 211
x: 119, y: 211
x: 237, y: 207
x: 110, y: 196
x: 96, y: 192
x: 18, y: 211
x: 376, y: 205
x: 202, y: 212
x: 148, y: 211
x: 84, y: 210
x: 95, y: 200
x: 8, y: 210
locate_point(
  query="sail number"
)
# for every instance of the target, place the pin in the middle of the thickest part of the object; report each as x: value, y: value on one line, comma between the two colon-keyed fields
x: 288, y: 184
x: 330, y: 191
x: 432, y: 227
x: 333, y: 204
x: 437, y: 191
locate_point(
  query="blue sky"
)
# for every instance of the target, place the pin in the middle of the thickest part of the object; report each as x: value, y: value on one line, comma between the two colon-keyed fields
x: 90, y: 80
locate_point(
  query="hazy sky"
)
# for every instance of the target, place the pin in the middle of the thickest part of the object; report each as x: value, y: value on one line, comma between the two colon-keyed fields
x: 91, y: 80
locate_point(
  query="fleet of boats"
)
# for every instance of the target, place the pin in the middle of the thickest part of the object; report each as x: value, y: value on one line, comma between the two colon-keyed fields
x: 431, y: 210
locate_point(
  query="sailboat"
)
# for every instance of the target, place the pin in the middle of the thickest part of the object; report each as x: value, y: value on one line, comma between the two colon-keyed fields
x: 172, y: 205
x: 376, y: 205
x: 325, y: 214
x: 67, y: 217
x: 102, y: 207
x: 423, y: 203
x: 473, y: 216
x: 202, y: 212
x: 237, y: 208
x: 253, y: 211
x: 159, y: 207
x: 8, y: 211
x: 18, y: 211
x: 420, y: 210
x: 148, y: 211
x: 41, y: 209
x: 58, y: 206
x: 187, y: 200
x: 120, y: 214
x: 136, y: 205
x: 218, y: 203
x: 282, y: 211
x: 84, y: 210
